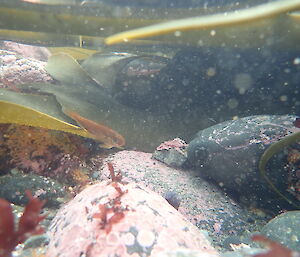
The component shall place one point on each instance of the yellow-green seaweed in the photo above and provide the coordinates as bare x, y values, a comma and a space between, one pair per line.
226, 19
22, 115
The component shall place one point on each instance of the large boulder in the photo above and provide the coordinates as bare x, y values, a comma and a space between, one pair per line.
111, 218
229, 153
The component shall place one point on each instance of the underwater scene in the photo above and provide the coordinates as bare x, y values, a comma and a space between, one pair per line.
150, 128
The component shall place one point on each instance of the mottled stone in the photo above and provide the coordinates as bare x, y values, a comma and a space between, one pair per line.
12, 188
229, 153
149, 225
201, 202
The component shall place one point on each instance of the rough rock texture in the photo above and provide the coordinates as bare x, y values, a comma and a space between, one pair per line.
12, 188
114, 219
20, 64
27, 51
173, 153
229, 153
285, 228
203, 204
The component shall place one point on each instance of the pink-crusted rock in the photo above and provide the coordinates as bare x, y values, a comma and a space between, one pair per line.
21, 64
26, 51
15, 70
113, 219
201, 202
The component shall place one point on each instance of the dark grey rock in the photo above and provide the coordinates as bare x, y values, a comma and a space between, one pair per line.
36, 241
229, 152
285, 228
173, 199
170, 157
13, 187
172, 153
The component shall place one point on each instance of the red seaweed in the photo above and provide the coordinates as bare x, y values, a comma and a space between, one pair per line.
114, 177
297, 122
113, 205
11, 235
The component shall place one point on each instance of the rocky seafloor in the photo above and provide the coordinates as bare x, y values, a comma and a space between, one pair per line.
149, 205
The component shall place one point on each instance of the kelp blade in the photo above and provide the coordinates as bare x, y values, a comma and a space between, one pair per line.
76, 52
100, 20
18, 114
259, 19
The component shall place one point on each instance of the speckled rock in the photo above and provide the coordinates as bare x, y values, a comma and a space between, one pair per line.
182, 253
229, 152
36, 241
244, 252
202, 203
139, 223
12, 188
16, 69
27, 51
285, 228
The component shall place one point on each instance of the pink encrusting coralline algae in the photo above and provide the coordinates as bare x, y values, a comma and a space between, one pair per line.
177, 144
21, 64
117, 219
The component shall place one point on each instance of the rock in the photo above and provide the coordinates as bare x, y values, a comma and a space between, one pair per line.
244, 252
12, 188
173, 153
172, 198
16, 69
26, 51
182, 253
36, 241
202, 203
110, 218
285, 228
229, 152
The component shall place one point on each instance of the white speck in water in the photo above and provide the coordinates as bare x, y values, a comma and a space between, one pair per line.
177, 33
185, 82
283, 98
297, 61
232, 103
211, 72
200, 43
242, 82
213, 33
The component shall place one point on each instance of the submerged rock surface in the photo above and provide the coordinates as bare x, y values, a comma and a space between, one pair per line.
202, 203
129, 221
229, 153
